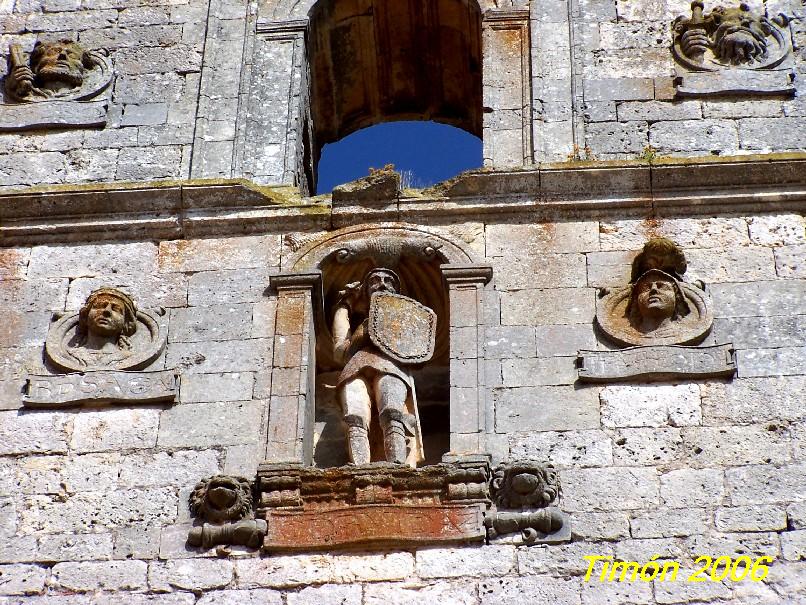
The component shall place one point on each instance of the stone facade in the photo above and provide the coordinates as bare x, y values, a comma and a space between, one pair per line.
193, 200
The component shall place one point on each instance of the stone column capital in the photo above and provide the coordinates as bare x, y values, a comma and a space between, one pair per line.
470, 274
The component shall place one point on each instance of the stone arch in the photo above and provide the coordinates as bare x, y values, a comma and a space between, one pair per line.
285, 10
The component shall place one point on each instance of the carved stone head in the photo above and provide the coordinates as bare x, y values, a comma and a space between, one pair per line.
655, 301
222, 498
740, 36
108, 313
659, 253
60, 64
381, 280
525, 484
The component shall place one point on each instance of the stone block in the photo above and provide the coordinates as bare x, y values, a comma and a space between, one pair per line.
259, 596
284, 571
329, 594
651, 405
731, 264
503, 342
789, 262
762, 517
215, 254
766, 484
415, 593
24, 329
761, 332
149, 291
145, 60
111, 429
22, 579
32, 168
74, 547
681, 591
80, 260
538, 371
796, 515
566, 448
614, 489
149, 163
513, 239
621, 35
70, 21
646, 447
657, 111
594, 592
211, 424
545, 409
18, 549
136, 543
619, 89
91, 164
473, 562
759, 133
146, 114
227, 287
180, 468
735, 544
737, 445
541, 588
199, 388
694, 135
189, 574
777, 229
264, 315
644, 549
90, 511
243, 459
670, 522
32, 433
692, 487
100, 575
547, 307
600, 526
225, 356
793, 545
632, 234
734, 108
564, 340
14, 263
216, 322
771, 362
739, 401
561, 559
616, 137
609, 269
543, 271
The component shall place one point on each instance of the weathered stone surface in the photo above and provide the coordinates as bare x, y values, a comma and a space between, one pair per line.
504, 342
22, 579
28, 433
256, 251
168, 290
739, 402
689, 487
617, 137
684, 592
764, 298
414, 592
52, 114
656, 111
631, 234
474, 562
646, 446
259, 596
543, 271
538, 371
772, 362
101, 387
189, 574
566, 448
104, 575
750, 518
227, 287
235, 386
329, 594
793, 545
609, 489
92, 260
115, 429
765, 484
511, 240
547, 307
136, 542
788, 262
211, 424
777, 229
796, 515
655, 405
178, 468
762, 332
545, 409
223, 356
561, 559
737, 445
216, 322
733, 545
78, 547
565, 340
731, 265
672, 522
502, 591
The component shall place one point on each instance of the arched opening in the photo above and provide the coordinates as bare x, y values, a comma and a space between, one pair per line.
374, 61
425, 153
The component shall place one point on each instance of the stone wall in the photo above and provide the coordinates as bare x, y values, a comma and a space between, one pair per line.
93, 501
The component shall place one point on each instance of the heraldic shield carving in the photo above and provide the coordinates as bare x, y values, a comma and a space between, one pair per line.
402, 328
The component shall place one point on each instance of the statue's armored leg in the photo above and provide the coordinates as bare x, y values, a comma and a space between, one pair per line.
357, 406
391, 393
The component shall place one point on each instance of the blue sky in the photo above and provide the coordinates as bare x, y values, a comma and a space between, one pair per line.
432, 152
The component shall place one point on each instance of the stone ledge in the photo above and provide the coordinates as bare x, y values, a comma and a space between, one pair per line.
207, 207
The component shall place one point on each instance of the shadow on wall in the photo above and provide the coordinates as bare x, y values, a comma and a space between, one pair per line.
424, 153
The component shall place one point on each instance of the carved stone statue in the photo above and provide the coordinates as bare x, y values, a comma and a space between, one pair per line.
657, 307
729, 37
377, 335
225, 502
109, 332
56, 70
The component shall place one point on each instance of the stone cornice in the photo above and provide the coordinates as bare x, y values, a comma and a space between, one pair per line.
197, 208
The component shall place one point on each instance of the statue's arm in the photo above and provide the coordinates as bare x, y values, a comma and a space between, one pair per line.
341, 333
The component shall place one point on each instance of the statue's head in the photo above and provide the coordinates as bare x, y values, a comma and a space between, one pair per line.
61, 62
108, 312
657, 296
381, 280
741, 35
659, 253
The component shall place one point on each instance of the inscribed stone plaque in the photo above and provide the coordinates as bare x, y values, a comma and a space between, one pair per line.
101, 386
377, 525
657, 363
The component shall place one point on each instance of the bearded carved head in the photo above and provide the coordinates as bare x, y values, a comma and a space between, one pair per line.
222, 498
60, 63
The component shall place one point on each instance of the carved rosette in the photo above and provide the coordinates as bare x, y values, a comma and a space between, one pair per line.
225, 503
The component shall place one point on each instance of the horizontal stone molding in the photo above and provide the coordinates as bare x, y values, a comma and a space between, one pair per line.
197, 208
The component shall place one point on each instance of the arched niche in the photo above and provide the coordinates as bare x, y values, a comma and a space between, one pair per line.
304, 425
285, 10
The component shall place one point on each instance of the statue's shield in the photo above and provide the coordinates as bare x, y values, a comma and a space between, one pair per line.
402, 328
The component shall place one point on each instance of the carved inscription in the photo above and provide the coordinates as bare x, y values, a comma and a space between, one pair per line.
101, 386
657, 362
397, 525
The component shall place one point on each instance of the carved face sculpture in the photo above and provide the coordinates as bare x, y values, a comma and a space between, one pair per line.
740, 36
656, 297
61, 62
108, 313
381, 280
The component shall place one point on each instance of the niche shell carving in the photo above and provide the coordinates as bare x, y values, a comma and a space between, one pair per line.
85, 340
